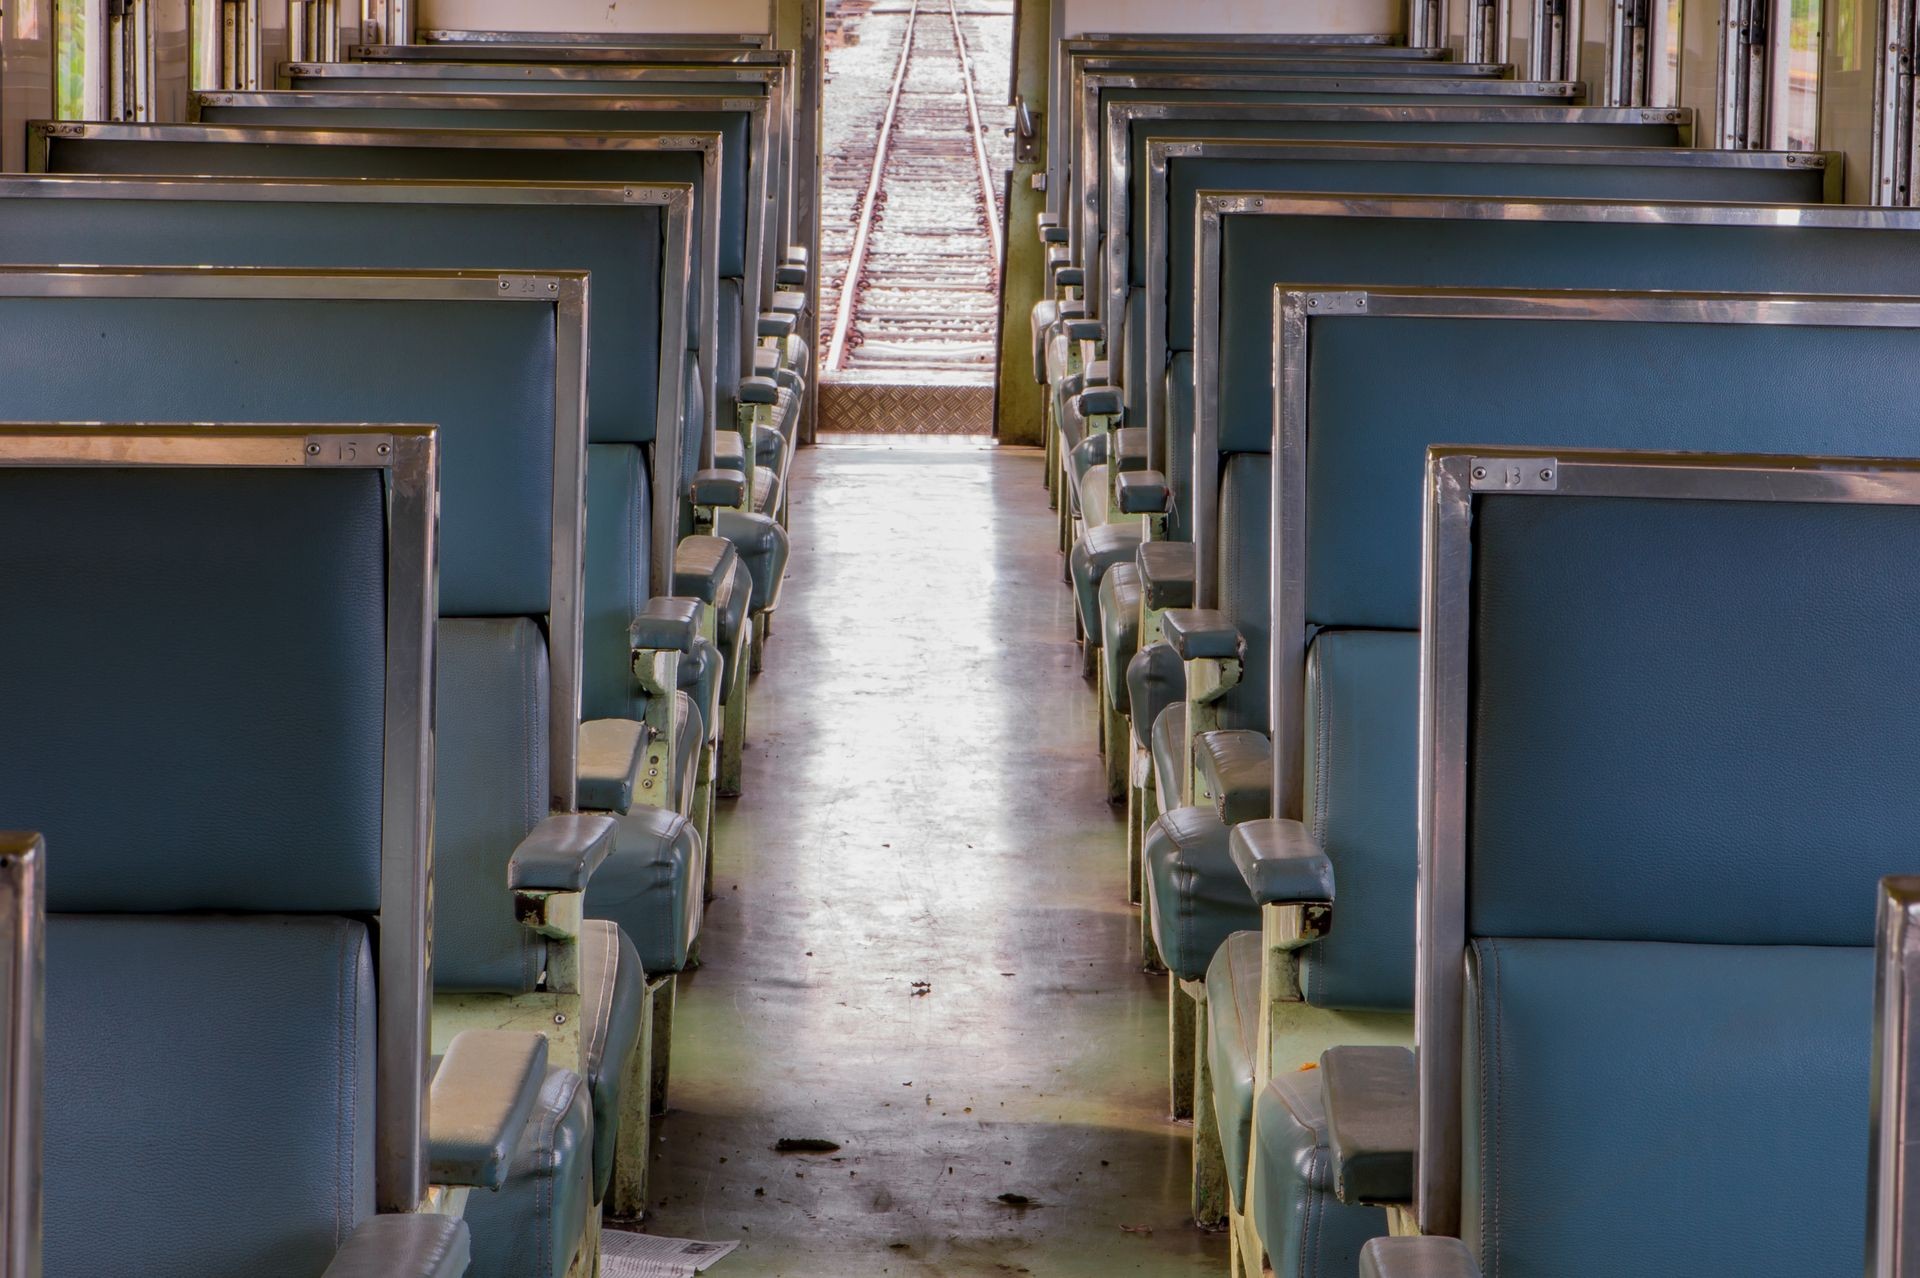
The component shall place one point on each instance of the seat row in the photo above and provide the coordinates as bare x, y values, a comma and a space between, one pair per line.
1439, 492
423, 656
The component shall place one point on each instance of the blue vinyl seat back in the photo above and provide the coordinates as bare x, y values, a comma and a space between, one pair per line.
578, 78
1551, 132
191, 153
227, 360
1246, 583
209, 988
1691, 761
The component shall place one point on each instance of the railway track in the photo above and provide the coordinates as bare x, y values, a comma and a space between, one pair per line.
912, 195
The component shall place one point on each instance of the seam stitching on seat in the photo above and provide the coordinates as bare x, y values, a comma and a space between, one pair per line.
603, 992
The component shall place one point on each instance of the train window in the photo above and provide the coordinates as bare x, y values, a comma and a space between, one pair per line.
77, 80
1793, 76
1551, 50
1645, 53
314, 30
129, 60
1487, 34
1770, 65
226, 44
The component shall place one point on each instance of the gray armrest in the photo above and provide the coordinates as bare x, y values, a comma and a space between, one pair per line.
766, 362
561, 854
1099, 371
702, 564
1166, 567
1144, 492
1417, 1258
1237, 766
1372, 1122
787, 302
760, 390
1283, 865
1099, 401
1051, 232
796, 255
718, 487
611, 753
729, 451
667, 624
1195, 634
482, 1096
791, 274
411, 1245
1072, 310
777, 323
1130, 448
1082, 330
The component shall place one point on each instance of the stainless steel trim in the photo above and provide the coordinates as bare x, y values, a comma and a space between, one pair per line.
23, 896
1893, 1152
525, 73
410, 456
443, 35
617, 49
1084, 199
670, 401
708, 144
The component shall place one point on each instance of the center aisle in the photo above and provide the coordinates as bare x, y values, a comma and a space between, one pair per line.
924, 804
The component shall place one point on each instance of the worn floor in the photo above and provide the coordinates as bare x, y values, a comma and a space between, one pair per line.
924, 805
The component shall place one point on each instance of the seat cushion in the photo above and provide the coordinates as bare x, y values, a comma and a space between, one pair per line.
616, 585
1169, 747
1156, 679
1119, 629
735, 602
1091, 490
1246, 584
1233, 1038
1196, 898
1097, 551
1040, 322
1362, 755
690, 736
533, 1224
1307, 1232
651, 886
172, 1045
766, 490
613, 1003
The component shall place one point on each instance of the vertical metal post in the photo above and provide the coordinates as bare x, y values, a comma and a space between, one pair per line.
23, 909
1893, 1172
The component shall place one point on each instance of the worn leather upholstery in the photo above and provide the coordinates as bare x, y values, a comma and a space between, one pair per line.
763, 547
736, 603
1187, 868
1119, 613
488, 794
1361, 748
1156, 680
1168, 744
1308, 1232
651, 886
1238, 768
1102, 547
1040, 324
1090, 484
167, 1126
613, 997
530, 1228
1233, 1046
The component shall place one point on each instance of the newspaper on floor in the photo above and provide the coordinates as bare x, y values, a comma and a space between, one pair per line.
625, 1255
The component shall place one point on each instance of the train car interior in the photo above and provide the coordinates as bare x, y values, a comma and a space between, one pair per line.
959, 638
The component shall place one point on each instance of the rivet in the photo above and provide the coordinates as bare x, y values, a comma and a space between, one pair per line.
385, 449
1479, 472
313, 450
1546, 476
559, 1018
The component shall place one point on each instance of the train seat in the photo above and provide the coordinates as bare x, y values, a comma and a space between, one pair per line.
1661, 990
253, 838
